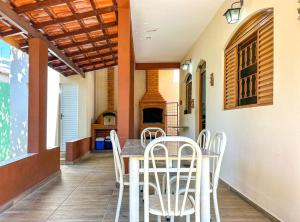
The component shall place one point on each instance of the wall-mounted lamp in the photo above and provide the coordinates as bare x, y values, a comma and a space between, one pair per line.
299, 9
186, 65
233, 14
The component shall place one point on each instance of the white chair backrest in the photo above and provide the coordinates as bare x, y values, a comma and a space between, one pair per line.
118, 160
159, 149
150, 134
204, 139
217, 145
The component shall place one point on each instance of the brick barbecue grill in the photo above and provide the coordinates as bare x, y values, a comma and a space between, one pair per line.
152, 105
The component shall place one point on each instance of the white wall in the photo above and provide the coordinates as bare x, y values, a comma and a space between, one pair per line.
261, 160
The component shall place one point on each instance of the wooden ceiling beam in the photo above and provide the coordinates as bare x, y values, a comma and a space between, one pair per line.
74, 17
82, 31
65, 71
22, 24
93, 49
12, 32
94, 40
38, 5
115, 4
155, 66
96, 63
71, 7
85, 65
100, 20
59, 69
95, 56
59, 66
98, 68
52, 59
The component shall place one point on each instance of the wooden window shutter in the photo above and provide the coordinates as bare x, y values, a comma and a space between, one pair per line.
231, 69
265, 52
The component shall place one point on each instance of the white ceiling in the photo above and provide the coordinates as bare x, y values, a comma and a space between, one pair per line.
178, 23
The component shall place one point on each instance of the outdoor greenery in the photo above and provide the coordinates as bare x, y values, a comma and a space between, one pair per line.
13, 102
4, 121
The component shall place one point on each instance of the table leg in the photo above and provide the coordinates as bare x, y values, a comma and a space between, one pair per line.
205, 191
134, 166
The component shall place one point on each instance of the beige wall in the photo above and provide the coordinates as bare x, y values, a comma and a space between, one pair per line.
261, 160
168, 85
86, 101
101, 91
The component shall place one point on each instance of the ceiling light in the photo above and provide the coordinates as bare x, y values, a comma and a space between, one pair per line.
233, 14
186, 65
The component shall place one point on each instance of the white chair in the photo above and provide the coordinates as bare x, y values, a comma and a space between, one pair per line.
151, 133
203, 142
204, 139
122, 179
217, 145
166, 204
147, 135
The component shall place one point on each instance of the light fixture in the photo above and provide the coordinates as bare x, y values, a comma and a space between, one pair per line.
186, 65
233, 14
299, 9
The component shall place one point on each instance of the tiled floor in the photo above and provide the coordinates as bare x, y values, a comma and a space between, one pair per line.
86, 192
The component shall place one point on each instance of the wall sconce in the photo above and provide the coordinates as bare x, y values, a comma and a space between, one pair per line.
212, 79
299, 9
233, 14
186, 65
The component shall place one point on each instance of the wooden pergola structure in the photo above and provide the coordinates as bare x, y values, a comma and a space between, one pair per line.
82, 35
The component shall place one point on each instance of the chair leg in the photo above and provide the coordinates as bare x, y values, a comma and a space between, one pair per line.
121, 190
164, 184
158, 218
216, 206
141, 186
172, 219
188, 218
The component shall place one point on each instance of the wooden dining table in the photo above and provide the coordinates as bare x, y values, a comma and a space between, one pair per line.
134, 151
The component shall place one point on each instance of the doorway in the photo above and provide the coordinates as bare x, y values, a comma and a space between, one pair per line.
202, 96
68, 114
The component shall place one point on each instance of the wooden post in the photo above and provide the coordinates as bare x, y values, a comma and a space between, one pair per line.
37, 117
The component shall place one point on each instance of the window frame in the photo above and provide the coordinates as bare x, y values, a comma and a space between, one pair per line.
240, 48
250, 28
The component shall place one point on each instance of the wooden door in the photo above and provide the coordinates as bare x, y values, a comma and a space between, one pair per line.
202, 97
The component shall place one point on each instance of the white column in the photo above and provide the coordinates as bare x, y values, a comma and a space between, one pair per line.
134, 207
205, 191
